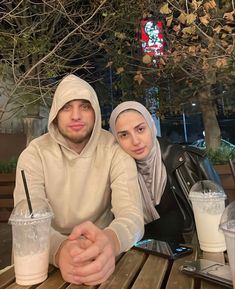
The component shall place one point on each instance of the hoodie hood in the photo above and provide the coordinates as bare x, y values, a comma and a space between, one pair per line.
71, 88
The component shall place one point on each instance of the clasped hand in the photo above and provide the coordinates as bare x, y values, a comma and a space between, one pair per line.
88, 255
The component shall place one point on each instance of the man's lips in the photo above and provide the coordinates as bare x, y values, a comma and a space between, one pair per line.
76, 126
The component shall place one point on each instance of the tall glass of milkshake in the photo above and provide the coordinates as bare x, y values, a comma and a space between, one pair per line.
208, 201
227, 224
31, 236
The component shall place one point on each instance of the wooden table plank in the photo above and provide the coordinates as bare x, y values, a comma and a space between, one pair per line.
126, 270
216, 257
7, 277
180, 280
73, 286
14, 285
152, 273
55, 281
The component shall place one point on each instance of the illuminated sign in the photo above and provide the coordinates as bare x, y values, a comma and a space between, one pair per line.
152, 37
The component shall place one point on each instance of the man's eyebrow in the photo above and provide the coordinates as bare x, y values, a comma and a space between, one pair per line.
85, 101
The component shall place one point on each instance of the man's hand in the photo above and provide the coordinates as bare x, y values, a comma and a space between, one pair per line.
88, 255
67, 251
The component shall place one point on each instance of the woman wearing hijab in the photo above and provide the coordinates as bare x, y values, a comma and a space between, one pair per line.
166, 172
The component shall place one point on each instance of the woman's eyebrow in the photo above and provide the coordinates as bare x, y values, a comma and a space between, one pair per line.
121, 131
125, 131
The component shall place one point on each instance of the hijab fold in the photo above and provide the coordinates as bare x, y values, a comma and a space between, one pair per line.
151, 170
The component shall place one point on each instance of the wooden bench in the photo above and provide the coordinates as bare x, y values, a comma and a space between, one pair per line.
7, 184
227, 180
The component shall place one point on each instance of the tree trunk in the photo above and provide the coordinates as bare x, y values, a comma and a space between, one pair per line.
208, 109
32, 127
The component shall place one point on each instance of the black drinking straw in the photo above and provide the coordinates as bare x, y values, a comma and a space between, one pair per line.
27, 193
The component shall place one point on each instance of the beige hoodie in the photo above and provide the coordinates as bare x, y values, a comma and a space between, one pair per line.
99, 184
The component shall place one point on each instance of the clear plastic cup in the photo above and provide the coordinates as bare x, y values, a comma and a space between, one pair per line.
208, 201
31, 239
227, 225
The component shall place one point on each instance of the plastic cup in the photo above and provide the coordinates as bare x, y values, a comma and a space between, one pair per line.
31, 239
208, 201
227, 224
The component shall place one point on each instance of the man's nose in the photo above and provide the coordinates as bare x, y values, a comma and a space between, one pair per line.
76, 113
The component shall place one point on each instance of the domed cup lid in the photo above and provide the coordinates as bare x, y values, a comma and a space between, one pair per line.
40, 210
206, 189
227, 221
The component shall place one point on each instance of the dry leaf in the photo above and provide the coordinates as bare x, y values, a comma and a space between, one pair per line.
228, 28
189, 30
230, 49
139, 77
119, 70
209, 5
221, 62
147, 59
195, 4
169, 20
177, 28
109, 64
205, 19
165, 9
120, 35
190, 18
217, 29
176, 57
192, 50
182, 18
161, 61
229, 16
224, 43
205, 65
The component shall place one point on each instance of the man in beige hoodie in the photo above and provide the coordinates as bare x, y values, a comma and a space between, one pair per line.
90, 183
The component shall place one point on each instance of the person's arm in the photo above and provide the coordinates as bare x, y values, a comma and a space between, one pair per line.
128, 223
30, 162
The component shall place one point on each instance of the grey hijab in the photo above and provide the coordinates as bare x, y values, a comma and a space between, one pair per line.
151, 171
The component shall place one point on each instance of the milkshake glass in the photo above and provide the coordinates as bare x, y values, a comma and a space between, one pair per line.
208, 201
227, 224
31, 239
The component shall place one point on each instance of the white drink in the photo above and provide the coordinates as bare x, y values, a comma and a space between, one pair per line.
208, 201
31, 240
210, 238
230, 243
31, 269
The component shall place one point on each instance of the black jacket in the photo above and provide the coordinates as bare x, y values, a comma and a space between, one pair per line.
185, 166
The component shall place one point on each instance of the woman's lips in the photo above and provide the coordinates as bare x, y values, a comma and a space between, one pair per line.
139, 151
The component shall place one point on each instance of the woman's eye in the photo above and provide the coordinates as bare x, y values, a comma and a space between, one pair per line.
123, 135
141, 129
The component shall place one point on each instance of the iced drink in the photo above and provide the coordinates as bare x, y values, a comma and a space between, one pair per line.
208, 201
31, 235
227, 225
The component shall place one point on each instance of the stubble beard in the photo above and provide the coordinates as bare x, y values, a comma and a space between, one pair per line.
76, 139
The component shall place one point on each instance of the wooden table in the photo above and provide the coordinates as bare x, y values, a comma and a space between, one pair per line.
135, 270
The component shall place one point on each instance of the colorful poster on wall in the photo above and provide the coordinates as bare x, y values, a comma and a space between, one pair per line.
152, 42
